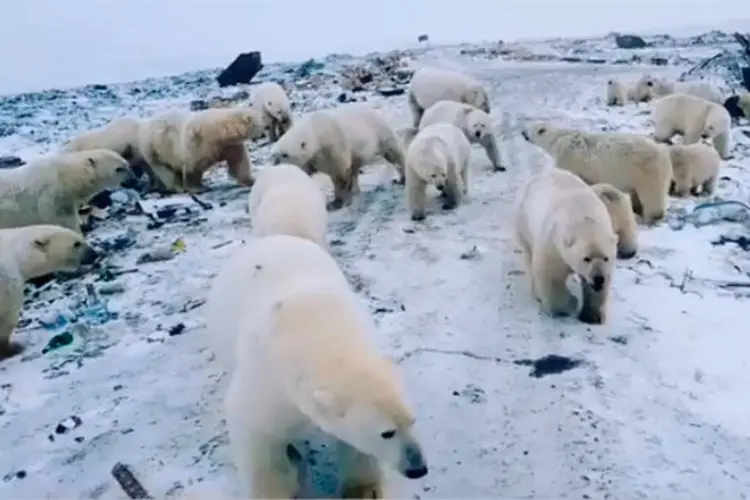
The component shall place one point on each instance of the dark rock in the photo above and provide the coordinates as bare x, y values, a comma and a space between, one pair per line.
746, 78
242, 69
659, 61
345, 97
571, 59
11, 162
596, 60
423, 38
731, 105
198, 104
630, 42
307, 68
391, 91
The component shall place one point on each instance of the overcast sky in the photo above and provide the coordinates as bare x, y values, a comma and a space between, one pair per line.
47, 43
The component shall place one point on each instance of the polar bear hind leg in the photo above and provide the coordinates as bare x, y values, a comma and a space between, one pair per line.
721, 145
489, 143
416, 111
393, 152
238, 163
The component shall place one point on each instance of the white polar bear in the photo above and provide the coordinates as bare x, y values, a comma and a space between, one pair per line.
338, 142
617, 95
120, 135
51, 189
696, 169
286, 200
297, 346
694, 118
431, 85
649, 88
563, 228
30, 252
630, 162
475, 123
438, 155
271, 100
181, 145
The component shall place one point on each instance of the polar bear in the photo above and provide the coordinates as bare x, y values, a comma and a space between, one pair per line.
51, 189
649, 88
181, 145
298, 349
616, 93
338, 142
475, 124
563, 228
620, 210
694, 118
631, 162
285, 200
695, 169
271, 100
438, 155
119, 135
30, 252
430, 85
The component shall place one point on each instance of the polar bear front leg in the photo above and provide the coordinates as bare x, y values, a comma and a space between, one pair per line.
8, 323
361, 476
416, 110
721, 145
549, 284
416, 195
393, 152
594, 308
165, 179
453, 192
238, 163
489, 143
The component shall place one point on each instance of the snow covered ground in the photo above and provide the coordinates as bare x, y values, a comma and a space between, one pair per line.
653, 405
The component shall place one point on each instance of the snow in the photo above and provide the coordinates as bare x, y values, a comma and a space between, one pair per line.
655, 409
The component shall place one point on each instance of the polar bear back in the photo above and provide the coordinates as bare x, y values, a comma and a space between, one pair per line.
430, 85
437, 144
160, 138
365, 128
447, 112
261, 274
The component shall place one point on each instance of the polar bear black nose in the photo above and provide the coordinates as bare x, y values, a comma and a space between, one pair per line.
416, 473
478, 134
598, 283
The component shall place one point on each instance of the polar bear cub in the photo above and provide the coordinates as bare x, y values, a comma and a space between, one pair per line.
694, 118
297, 346
271, 100
617, 95
563, 228
696, 169
181, 145
630, 162
285, 200
438, 155
649, 88
431, 85
620, 210
51, 189
30, 252
475, 124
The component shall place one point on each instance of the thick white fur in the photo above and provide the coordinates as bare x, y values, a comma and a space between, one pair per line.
617, 95
438, 155
475, 123
181, 145
631, 162
297, 345
694, 119
695, 169
431, 85
30, 252
620, 209
271, 100
120, 135
563, 228
286, 200
51, 189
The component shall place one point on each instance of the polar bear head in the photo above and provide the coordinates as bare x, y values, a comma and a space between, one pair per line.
45, 249
298, 146
590, 251
375, 421
620, 208
431, 165
718, 122
86, 173
542, 135
478, 124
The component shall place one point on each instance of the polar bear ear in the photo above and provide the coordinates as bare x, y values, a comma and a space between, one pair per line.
41, 244
327, 403
569, 240
303, 145
91, 162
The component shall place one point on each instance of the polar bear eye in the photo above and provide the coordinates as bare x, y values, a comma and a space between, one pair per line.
542, 130
388, 434
649, 83
606, 259
587, 259
77, 244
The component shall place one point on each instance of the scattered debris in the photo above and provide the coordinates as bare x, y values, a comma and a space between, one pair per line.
158, 255
551, 364
128, 482
11, 162
70, 423
742, 241
471, 254
423, 38
630, 42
